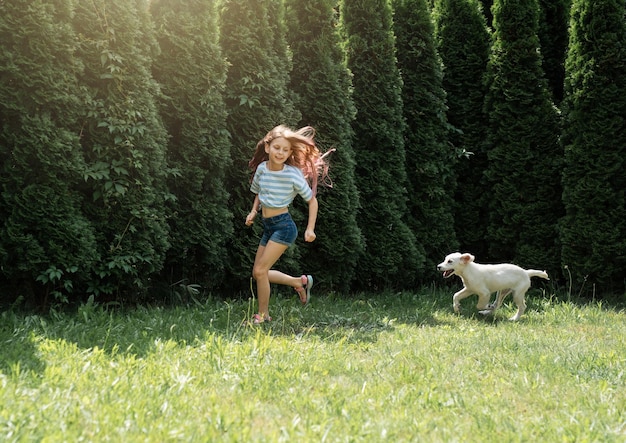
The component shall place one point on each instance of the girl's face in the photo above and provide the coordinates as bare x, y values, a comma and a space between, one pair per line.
279, 150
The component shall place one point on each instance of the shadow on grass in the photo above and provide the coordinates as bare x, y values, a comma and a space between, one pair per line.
359, 318
18, 350
356, 318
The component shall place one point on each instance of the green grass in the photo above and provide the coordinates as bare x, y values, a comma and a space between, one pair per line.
395, 367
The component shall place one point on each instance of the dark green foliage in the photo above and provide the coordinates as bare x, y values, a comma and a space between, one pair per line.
192, 72
464, 44
50, 243
47, 244
123, 141
391, 257
593, 232
486, 8
524, 155
553, 27
322, 84
123, 153
430, 158
257, 98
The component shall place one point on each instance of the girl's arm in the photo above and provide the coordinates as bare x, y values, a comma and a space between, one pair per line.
309, 234
253, 212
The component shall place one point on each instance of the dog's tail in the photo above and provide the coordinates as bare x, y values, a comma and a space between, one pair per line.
535, 273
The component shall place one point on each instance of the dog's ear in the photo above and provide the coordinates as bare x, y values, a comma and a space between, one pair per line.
466, 258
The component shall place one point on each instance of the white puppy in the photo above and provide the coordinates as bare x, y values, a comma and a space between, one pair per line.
484, 280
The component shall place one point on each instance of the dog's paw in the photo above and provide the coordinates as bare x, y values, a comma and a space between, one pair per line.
457, 309
488, 309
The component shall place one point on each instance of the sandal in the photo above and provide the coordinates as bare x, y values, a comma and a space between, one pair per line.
305, 290
257, 319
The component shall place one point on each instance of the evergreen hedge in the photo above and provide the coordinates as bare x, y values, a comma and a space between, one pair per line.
525, 158
322, 86
593, 231
430, 158
48, 245
391, 257
191, 72
463, 42
126, 127
123, 140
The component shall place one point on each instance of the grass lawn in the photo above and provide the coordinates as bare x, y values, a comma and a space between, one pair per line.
390, 367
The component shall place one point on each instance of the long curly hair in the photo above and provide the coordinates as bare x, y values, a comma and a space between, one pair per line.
305, 154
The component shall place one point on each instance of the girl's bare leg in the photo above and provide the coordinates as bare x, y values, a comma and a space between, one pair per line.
281, 278
266, 257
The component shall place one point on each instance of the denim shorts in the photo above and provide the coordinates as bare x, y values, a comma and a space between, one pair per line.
280, 229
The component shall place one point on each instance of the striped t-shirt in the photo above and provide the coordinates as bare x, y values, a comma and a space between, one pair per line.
277, 189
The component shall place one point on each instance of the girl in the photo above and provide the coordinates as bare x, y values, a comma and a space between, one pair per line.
286, 163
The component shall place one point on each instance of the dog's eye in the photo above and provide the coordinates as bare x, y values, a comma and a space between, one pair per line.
450, 261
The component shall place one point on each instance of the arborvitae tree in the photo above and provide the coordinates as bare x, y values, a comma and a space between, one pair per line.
124, 142
464, 44
257, 99
391, 257
553, 27
323, 85
525, 158
192, 72
430, 158
47, 244
593, 231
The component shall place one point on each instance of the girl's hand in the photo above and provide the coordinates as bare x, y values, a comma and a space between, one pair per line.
250, 218
309, 235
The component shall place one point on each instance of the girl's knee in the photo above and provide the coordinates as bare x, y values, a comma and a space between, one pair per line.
258, 273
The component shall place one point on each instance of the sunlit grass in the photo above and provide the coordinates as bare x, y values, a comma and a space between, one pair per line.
391, 367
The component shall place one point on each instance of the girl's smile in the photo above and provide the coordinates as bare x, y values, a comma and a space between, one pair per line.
279, 150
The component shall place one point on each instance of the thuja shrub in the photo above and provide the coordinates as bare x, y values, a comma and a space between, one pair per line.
391, 256
123, 140
322, 86
524, 156
191, 72
430, 158
593, 231
463, 43
48, 245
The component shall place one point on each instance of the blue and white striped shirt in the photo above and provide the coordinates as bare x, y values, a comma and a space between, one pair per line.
277, 189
